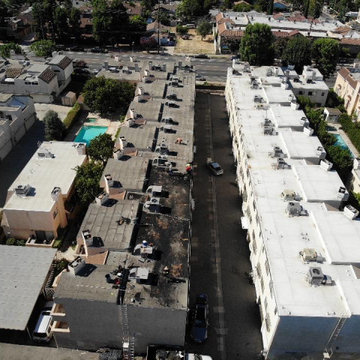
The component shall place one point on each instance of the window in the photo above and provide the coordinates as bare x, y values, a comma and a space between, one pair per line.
322, 94
275, 310
310, 93
55, 213
258, 270
254, 246
300, 92
267, 323
27, 83
262, 284
267, 267
271, 289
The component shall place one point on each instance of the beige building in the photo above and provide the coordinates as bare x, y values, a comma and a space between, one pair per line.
347, 86
39, 201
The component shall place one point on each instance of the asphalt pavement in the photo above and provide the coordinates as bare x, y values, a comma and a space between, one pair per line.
213, 69
220, 254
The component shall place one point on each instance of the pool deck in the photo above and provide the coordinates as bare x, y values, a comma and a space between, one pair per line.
345, 138
111, 125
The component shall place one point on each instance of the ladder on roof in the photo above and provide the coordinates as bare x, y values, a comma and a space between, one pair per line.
128, 341
328, 352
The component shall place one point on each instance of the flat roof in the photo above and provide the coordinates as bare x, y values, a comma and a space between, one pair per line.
285, 116
103, 221
142, 137
45, 173
23, 271
131, 172
321, 226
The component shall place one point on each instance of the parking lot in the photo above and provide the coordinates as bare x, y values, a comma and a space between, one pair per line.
220, 254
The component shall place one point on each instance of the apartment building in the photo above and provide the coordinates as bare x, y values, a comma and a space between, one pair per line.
43, 82
347, 86
231, 26
304, 243
17, 115
39, 202
132, 274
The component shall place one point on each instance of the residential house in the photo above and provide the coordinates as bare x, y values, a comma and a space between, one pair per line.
40, 201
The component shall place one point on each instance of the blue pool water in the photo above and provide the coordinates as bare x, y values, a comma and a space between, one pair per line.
88, 132
340, 142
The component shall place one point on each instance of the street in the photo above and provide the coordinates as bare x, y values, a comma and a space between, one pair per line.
213, 69
220, 254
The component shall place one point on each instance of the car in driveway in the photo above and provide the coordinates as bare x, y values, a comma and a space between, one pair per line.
200, 319
214, 167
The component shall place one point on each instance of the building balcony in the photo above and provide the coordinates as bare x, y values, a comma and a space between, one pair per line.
58, 310
60, 327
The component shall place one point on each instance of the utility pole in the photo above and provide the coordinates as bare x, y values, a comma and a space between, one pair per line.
158, 27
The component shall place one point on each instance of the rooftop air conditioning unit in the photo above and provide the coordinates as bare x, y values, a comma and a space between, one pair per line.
154, 190
76, 265
310, 255
350, 212
23, 190
295, 209
288, 195
315, 276
342, 194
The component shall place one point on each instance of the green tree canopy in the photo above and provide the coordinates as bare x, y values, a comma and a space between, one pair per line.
106, 96
181, 30
43, 48
101, 147
325, 53
244, 7
54, 127
5, 50
297, 52
87, 181
257, 45
188, 9
204, 28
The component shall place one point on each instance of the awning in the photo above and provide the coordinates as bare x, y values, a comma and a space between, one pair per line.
244, 222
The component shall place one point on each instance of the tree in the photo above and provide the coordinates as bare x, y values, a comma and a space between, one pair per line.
101, 148
74, 21
108, 95
137, 26
61, 23
244, 7
257, 45
204, 29
87, 181
297, 52
10, 241
43, 48
325, 53
5, 50
54, 127
279, 47
315, 7
181, 30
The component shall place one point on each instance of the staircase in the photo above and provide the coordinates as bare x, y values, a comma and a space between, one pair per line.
328, 352
128, 341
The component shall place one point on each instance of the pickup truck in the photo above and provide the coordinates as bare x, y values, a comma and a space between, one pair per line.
214, 167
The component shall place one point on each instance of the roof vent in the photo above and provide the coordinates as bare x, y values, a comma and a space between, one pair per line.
277, 152
294, 208
281, 164
55, 193
342, 194
258, 99
350, 212
76, 265
23, 190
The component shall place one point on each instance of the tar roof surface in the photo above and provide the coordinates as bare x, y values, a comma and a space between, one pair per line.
23, 271
102, 221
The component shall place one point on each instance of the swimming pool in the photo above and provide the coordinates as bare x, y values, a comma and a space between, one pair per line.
88, 132
341, 143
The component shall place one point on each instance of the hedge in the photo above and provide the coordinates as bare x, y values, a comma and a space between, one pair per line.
72, 115
352, 129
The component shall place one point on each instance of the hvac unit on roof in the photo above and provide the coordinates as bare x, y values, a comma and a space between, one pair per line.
277, 152
342, 194
289, 195
316, 277
310, 255
326, 165
45, 153
350, 212
23, 190
294, 208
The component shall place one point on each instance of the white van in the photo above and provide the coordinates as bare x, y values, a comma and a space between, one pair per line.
42, 331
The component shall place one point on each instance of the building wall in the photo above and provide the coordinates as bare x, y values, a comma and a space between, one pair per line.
317, 96
96, 324
93, 324
349, 94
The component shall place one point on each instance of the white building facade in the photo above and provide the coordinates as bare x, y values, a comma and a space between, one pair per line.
17, 115
304, 250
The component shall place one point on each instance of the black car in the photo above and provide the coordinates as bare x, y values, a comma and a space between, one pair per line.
201, 56
172, 97
172, 104
75, 48
200, 321
170, 121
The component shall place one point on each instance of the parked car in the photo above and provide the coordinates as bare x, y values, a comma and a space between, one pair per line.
170, 121
197, 357
172, 97
235, 57
42, 331
201, 56
200, 321
75, 48
214, 167
172, 104
79, 64
200, 77
98, 50
113, 69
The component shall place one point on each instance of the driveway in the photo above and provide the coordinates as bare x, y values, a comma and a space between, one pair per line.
12, 165
220, 254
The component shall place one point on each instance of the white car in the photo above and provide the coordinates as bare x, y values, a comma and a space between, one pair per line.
197, 357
